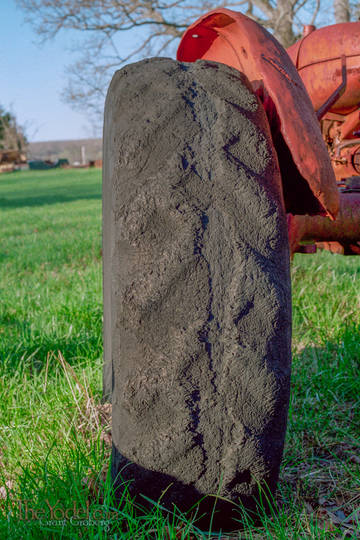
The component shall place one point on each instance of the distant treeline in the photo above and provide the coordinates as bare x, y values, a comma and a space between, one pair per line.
70, 150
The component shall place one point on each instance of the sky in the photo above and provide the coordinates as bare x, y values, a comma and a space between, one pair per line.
32, 78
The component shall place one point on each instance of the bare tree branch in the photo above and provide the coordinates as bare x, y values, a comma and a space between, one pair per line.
154, 26
316, 11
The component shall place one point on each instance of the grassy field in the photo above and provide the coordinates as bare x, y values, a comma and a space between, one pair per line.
54, 439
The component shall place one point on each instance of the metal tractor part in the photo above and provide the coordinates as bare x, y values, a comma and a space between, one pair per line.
332, 84
234, 39
331, 78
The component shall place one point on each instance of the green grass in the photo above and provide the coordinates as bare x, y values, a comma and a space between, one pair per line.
54, 444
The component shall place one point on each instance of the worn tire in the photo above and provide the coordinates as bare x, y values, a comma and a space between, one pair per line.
197, 299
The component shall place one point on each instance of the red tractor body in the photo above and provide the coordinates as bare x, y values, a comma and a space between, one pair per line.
318, 57
311, 96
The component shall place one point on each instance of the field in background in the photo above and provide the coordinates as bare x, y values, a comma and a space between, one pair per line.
54, 440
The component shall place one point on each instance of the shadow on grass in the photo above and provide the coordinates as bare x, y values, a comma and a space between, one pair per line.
341, 353
150, 489
29, 350
324, 414
31, 201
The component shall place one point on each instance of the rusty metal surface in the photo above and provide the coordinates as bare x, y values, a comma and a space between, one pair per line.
333, 247
345, 231
351, 125
337, 93
307, 29
233, 39
317, 57
341, 133
346, 161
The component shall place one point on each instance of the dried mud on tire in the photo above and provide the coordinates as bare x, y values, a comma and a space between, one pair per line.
197, 302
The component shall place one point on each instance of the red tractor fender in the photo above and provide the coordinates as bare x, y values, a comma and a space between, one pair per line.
232, 38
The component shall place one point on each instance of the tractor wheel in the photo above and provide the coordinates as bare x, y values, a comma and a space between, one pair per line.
197, 298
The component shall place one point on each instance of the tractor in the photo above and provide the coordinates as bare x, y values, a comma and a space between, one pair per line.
218, 167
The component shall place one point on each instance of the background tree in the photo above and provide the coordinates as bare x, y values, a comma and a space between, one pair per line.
12, 136
119, 31
341, 11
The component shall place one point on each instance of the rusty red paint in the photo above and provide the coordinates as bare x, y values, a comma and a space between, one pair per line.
307, 29
318, 60
345, 231
333, 247
337, 93
347, 163
233, 39
351, 125
341, 132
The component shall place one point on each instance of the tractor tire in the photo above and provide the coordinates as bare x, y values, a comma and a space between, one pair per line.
197, 297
